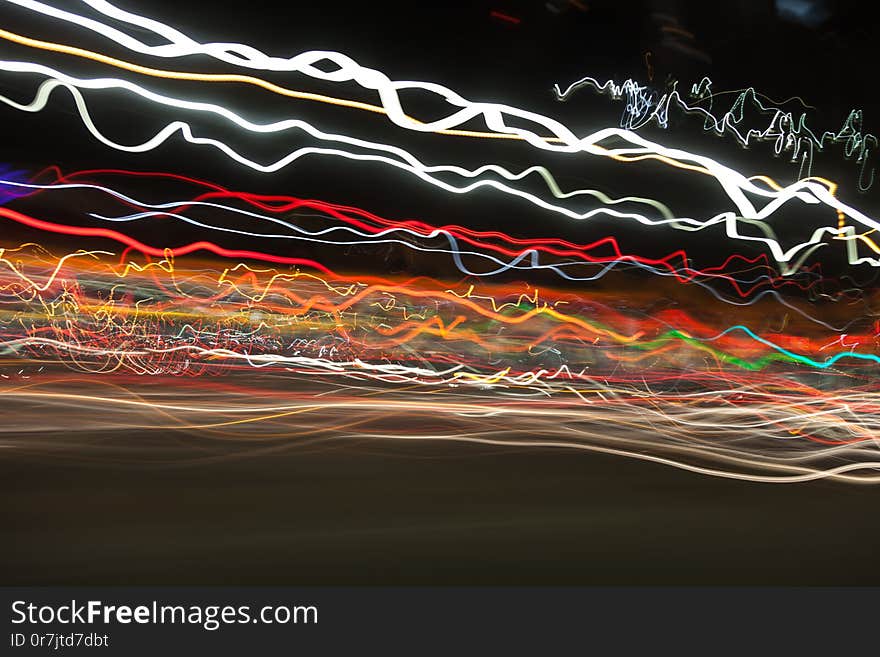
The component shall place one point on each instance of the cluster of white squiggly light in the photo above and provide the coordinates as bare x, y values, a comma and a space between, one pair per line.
787, 131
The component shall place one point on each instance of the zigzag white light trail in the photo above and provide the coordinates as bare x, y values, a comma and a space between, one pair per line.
732, 182
246, 56
348, 69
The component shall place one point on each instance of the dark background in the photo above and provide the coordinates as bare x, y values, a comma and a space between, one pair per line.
467, 516
352, 516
